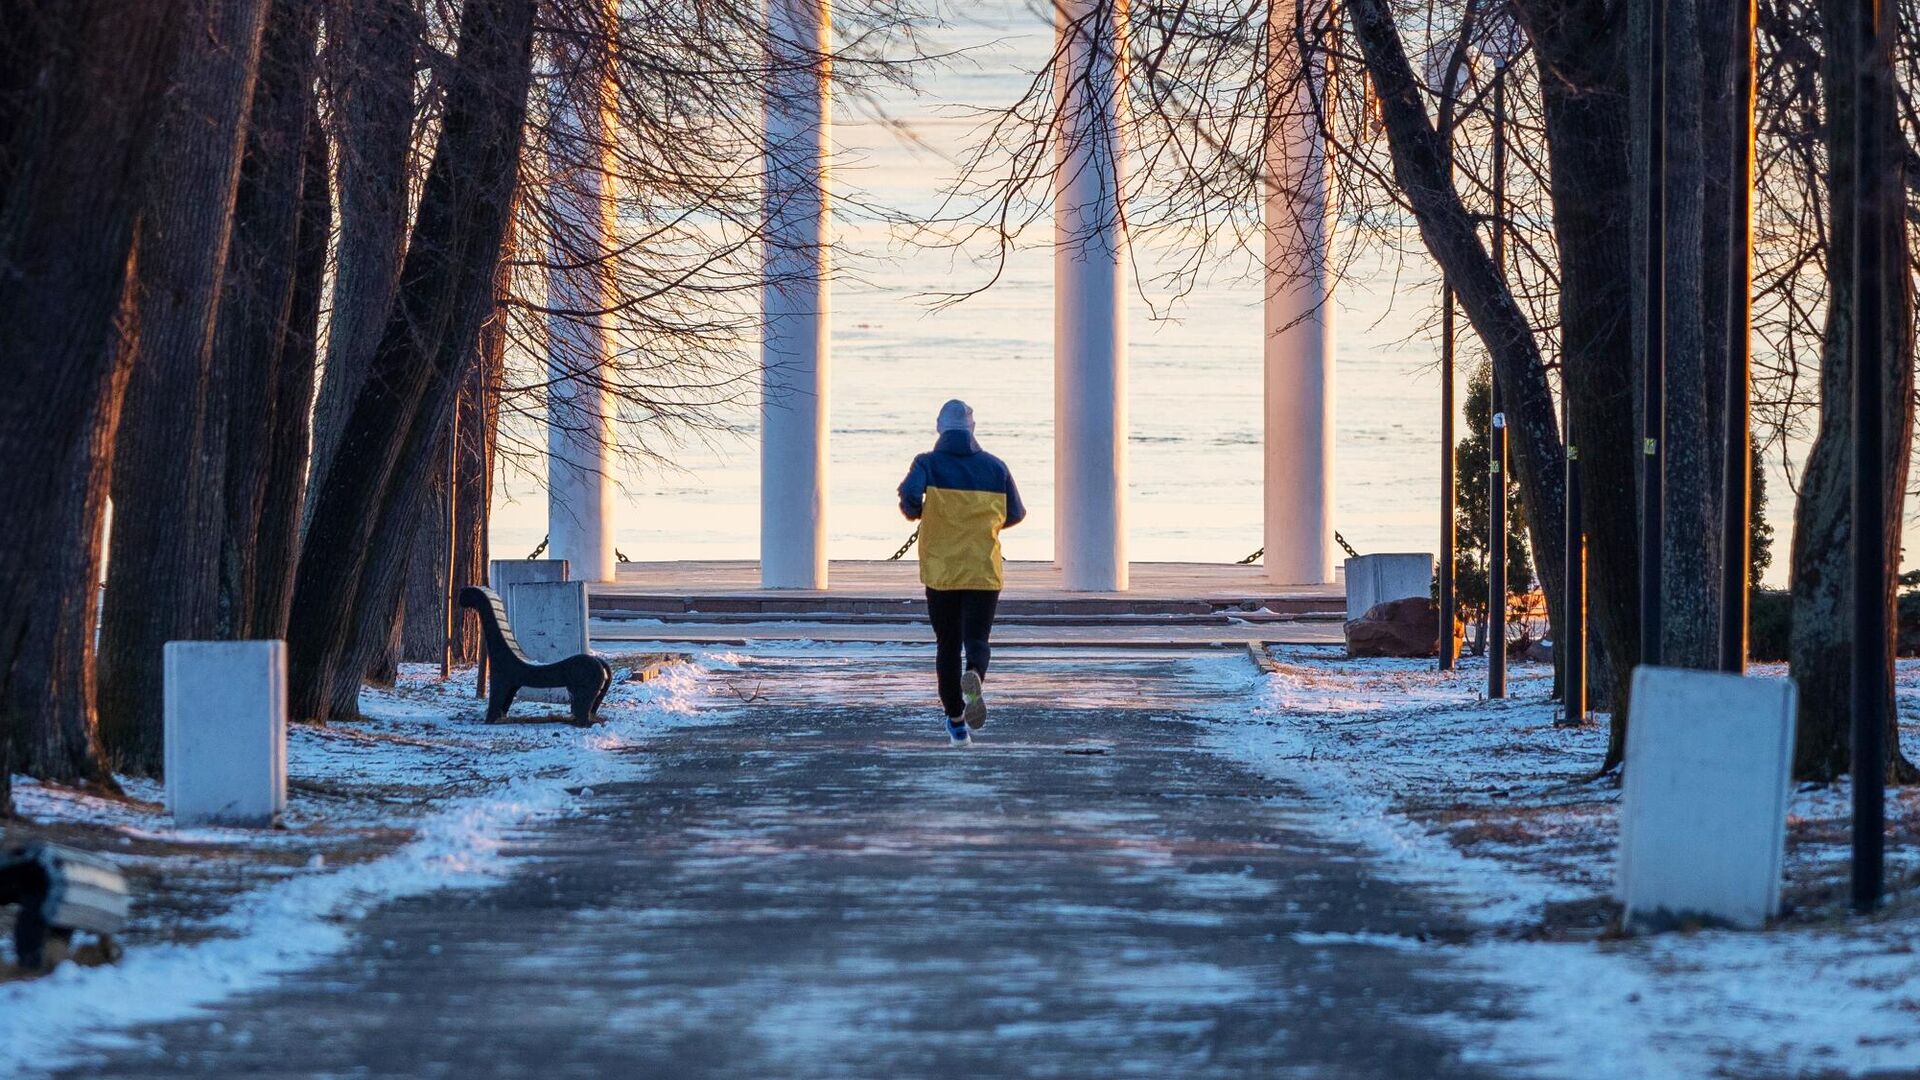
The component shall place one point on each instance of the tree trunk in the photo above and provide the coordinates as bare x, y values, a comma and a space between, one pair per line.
423, 630
1821, 642
1690, 625
66, 235
278, 549
1582, 51
20, 61
168, 472
454, 539
370, 65
1421, 168
479, 426
257, 309
355, 551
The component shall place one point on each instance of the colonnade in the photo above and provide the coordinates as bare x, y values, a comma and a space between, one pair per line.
1091, 283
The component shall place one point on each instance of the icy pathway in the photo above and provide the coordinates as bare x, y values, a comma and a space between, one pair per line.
816, 886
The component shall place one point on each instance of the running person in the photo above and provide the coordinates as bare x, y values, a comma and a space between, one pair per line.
962, 497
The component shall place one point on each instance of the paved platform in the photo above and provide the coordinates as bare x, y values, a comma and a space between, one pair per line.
813, 885
1013, 633
874, 589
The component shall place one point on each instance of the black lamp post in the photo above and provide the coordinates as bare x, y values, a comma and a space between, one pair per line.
1447, 496
1737, 483
1653, 368
1877, 205
1497, 431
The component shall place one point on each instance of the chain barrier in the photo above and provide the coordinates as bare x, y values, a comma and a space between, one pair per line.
618, 555
1337, 538
904, 548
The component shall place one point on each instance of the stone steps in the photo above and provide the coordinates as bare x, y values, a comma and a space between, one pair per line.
1061, 610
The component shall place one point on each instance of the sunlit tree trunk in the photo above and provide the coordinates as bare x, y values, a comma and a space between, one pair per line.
67, 228
170, 453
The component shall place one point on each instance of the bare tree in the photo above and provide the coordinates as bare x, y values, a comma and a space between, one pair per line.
354, 556
170, 452
1822, 644
97, 73
256, 314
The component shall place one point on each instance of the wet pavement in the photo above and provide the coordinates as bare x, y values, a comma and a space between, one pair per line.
814, 885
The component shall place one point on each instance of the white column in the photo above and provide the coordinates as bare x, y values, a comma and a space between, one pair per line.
1299, 312
1090, 296
794, 302
579, 406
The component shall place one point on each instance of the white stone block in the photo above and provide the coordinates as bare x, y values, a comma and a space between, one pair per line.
1703, 817
1376, 579
504, 574
226, 731
550, 620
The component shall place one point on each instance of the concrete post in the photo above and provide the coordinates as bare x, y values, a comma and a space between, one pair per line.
226, 731
1299, 311
579, 406
1090, 295
551, 623
794, 301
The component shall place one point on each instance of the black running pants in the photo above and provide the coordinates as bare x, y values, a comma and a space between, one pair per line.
962, 619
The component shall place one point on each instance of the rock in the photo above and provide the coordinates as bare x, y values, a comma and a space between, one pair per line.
1398, 628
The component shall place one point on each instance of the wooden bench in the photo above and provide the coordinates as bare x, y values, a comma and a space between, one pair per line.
584, 677
59, 891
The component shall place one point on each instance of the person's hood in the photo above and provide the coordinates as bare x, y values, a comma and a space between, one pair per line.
960, 443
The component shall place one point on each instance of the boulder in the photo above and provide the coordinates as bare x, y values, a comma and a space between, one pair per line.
1407, 627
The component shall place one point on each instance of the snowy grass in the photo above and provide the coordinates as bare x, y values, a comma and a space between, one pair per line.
1492, 805
422, 795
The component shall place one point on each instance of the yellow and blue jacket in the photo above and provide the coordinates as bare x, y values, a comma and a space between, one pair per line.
962, 497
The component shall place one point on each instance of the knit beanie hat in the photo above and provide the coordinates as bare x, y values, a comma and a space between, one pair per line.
955, 415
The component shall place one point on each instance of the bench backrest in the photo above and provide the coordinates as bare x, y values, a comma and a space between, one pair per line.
493, 618
83, 890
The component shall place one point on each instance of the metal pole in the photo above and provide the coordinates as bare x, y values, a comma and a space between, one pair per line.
1653, 370
449, 614
1448, 480
1737, 484
1497, 433
1573, 651
1447, 484
1873, 217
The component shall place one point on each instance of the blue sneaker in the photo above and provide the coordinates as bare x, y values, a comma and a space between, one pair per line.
957, 732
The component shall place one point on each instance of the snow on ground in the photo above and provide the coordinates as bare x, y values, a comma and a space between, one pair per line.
1497, 808
422, 795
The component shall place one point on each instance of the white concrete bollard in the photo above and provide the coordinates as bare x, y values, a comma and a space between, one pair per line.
1376, 579
550, 621
1703, 817
504, 574
226, 731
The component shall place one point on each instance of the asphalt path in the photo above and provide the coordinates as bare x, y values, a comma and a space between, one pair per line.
813, 884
